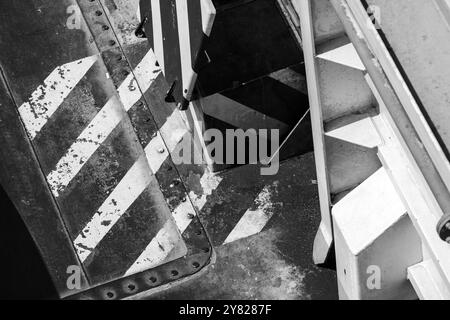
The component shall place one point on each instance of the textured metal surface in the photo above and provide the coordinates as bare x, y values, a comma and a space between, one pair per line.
91, 130
273, 263
418, 35
25, 185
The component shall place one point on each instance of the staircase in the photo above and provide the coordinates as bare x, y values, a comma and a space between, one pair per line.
381, 194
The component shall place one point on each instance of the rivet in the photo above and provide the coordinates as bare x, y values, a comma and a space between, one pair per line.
191, 216
161, 150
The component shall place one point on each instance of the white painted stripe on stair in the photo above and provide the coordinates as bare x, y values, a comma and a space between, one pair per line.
345, 55
123, 196
141, 78
129, 188
253, 221
360, 132
103, 124
85, 146
47, 98
183, 215
157, 33
188, 74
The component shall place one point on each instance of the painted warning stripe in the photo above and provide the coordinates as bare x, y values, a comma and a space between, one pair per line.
129, 189
46, 99
123, 196
254, 220
183, 215
251, 223
103, 124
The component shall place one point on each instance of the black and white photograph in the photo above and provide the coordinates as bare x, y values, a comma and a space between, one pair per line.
225, 156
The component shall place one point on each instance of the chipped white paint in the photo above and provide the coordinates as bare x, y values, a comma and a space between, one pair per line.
129, 188
47, 98
123, 196
185, 212
183, 215
102, 125
141, 78
85, 146
345, 55
173, 131
254, 221
157, 251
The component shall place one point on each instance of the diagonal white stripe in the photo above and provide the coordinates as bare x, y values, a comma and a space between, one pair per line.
253, 221
129, 189
123, 196
152, 256
345, 55
46, 99
157, 251
103, 124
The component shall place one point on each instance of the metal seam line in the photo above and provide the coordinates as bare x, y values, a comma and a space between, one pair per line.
128, 190
102, 125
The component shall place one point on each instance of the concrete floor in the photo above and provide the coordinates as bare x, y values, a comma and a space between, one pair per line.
276, 263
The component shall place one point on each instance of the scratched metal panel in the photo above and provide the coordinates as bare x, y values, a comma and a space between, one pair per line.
75, 112
180, 183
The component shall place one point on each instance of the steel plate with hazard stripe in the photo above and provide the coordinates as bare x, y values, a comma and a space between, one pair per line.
87, 155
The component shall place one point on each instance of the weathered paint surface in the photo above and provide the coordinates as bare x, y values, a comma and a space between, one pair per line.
276, 263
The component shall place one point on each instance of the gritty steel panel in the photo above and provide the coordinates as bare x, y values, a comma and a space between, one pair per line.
82, 109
